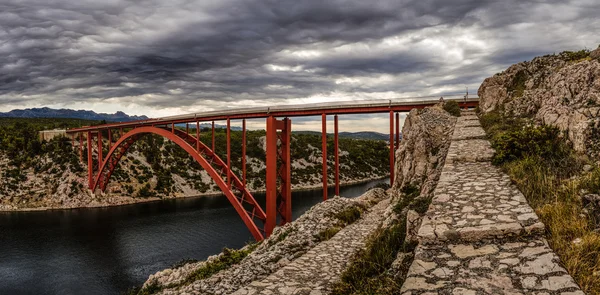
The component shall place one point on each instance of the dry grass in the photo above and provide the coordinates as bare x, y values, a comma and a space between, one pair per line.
555, 196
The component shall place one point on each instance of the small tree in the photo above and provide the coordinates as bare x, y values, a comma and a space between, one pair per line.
452, 108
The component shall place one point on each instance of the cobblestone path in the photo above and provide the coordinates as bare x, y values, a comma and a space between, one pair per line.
315, 272
479, 235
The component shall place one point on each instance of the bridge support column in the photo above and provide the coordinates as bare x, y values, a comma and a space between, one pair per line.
213, 136
397, 130
99, 149
279, 194
336, 154
244, 152
198, 136
392, 148
109, 139
228, 153
80, 147
324, 153
89, 160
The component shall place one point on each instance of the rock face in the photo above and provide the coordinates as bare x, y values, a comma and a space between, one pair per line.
561, 90
425, 141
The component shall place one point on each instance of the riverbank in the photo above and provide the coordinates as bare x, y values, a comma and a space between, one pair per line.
109, 250
123, 200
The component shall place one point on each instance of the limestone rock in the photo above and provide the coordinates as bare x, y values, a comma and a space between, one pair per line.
425, 141
551, 90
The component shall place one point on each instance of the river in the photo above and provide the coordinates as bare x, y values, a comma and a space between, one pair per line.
108, 250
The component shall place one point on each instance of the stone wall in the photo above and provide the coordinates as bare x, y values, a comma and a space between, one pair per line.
50, 134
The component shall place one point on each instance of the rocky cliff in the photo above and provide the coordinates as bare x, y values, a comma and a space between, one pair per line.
420, 156
562, 90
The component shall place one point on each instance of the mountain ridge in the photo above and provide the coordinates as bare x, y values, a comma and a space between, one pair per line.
46, 112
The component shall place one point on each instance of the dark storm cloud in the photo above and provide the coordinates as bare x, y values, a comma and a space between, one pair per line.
158, 54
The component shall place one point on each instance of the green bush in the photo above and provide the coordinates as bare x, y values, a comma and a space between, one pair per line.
452, 107
328, 233
542, 141
349, 215
575, 55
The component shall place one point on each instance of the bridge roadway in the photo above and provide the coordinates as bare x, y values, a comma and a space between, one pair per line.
316, 109
278, 162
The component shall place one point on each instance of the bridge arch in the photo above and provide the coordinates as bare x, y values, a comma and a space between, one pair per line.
243, 202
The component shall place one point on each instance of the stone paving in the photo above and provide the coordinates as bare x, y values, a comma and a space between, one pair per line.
479, 235
316, 271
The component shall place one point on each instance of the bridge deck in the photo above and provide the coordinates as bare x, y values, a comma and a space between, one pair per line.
330, 108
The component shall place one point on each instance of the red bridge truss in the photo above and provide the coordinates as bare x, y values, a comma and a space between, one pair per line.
278, 163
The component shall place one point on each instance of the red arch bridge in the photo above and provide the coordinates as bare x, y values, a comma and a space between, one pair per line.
278, 129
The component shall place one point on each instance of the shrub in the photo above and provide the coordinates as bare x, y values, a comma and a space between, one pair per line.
328, 233
575, 55
539, 141
452, 107
409, 193
517, 87
349, 215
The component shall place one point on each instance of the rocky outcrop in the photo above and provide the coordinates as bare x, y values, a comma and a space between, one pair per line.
562, 90
425, 141
287, 244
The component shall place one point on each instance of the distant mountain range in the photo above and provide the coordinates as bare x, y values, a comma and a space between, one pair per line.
72, 114
122, 117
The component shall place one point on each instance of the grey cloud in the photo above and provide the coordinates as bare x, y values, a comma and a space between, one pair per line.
188, 52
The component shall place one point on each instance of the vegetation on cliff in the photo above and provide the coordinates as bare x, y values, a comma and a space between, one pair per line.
551, 176
49, 174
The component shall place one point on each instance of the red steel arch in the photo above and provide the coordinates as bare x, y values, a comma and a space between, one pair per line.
244, 204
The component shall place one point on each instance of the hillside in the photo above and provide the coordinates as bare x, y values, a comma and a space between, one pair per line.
358, 135
49, 174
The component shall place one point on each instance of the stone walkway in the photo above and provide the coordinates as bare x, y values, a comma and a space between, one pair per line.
479, 235
315, 272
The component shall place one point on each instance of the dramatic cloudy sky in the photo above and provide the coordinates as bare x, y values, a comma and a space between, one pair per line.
168, 57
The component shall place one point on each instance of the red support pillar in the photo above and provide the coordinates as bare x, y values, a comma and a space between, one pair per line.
271, 181
80, 147
392, 148
324, 153
244, 152
279, 198
109, 139
285, 173
89, 160
336, 155
99, 150
172, 127
229, 153
187, 128
213, 136
198, 135
397, 130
